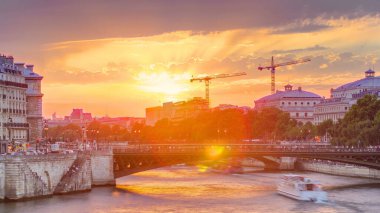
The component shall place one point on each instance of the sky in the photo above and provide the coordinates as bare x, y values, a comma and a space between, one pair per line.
119, 57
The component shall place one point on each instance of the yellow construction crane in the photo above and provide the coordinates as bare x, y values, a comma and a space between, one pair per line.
208, 78
273, 67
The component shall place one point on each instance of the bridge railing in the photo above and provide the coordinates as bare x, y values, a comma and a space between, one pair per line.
241, 148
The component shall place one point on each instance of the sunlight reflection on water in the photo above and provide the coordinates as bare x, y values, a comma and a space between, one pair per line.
185, 189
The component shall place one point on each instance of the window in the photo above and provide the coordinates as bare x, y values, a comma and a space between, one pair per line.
295, 103
283, 103
308, 103
289, 103
301, 103
297, 115
305, 114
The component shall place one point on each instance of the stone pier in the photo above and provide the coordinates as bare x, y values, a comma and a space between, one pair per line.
102, 168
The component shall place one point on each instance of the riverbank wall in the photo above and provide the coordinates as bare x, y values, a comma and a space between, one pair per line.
335, 168
25, 177
284, 163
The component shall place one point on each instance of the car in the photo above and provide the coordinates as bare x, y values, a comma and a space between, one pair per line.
68, 151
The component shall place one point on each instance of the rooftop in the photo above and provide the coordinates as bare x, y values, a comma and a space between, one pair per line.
370, 81
288, 93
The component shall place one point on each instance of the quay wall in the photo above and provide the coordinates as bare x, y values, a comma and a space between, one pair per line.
2, 178
338, 169
285, 163
23, 177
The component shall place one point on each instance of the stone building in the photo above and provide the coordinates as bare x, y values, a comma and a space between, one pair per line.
34, 102
298, 103
13, 110
21, 102
343, 97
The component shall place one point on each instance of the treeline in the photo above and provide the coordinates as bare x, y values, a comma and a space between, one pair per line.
228, 126
94, 131
360, 127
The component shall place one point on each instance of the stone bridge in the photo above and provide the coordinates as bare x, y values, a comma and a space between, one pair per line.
44, 175
137, 158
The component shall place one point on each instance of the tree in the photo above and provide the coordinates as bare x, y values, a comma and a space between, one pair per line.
360, 126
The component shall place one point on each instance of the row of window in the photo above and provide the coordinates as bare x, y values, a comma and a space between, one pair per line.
14, 111
333, 117
22, 98
13, 93
298, 114
331, 109
18, 78
301, 103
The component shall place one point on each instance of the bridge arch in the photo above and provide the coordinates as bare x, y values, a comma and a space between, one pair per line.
129, 161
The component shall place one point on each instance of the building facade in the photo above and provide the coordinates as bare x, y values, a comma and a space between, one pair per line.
298, 103
33, 102
21, 103
13, 109
343, 97
177, 111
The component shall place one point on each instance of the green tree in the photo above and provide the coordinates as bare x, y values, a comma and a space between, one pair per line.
360, 126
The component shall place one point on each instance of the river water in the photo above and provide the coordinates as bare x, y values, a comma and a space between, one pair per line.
194, 189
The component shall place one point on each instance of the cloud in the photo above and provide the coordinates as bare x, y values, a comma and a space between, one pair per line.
301, 28
313, 48
323, 66
154, 69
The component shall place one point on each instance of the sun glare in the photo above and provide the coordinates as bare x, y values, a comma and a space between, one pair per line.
163, 82
215, 151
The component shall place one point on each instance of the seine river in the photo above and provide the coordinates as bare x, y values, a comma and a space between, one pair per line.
192, 189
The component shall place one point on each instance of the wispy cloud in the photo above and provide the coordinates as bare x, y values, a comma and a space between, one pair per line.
157, 67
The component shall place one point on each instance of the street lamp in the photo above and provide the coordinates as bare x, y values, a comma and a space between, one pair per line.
46, 128
10, 121
83, 137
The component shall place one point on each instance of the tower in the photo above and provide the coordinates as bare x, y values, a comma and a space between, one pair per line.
34, 103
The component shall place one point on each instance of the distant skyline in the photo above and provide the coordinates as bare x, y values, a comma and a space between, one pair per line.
118, 57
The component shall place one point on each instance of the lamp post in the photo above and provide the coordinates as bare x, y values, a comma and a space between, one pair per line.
46, 128
83, 137
10, 121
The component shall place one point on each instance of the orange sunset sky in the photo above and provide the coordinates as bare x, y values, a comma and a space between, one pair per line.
118, 57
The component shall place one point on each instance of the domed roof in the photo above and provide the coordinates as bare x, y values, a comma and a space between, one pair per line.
288, 94
370, 81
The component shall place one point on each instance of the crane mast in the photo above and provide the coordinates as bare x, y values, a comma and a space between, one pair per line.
273, 67
208, 78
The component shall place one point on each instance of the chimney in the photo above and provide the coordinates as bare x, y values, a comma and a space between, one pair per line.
30, 67
20, 66
299, 88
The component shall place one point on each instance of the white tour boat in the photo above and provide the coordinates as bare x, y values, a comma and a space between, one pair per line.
301, 188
